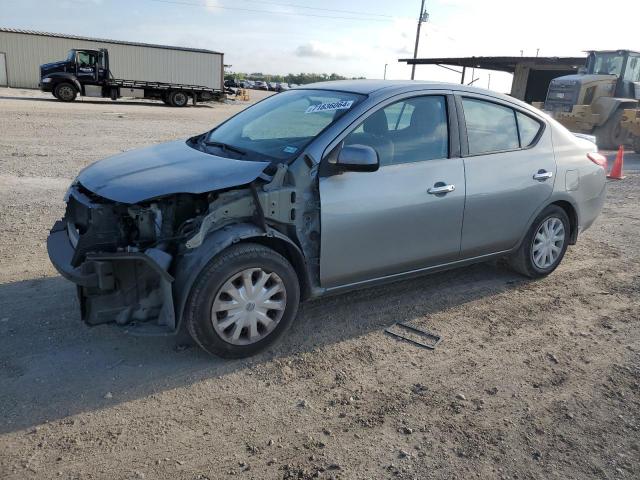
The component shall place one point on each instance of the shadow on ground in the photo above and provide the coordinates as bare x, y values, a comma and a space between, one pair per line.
52, 366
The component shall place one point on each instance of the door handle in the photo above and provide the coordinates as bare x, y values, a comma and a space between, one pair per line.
440, 189
542, 175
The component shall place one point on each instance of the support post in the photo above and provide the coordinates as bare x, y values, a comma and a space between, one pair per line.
415, 50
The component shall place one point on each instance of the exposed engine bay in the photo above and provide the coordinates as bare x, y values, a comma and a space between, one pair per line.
125, 258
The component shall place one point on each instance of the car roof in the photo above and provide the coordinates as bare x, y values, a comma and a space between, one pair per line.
394, 87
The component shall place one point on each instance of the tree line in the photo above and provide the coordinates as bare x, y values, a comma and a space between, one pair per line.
299, 78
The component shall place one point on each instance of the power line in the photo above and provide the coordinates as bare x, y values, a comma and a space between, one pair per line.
295, 5
271, 12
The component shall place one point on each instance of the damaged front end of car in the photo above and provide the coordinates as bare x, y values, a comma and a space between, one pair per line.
120, 255
134, 260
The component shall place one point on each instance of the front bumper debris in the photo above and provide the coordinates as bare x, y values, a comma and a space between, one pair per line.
121, 287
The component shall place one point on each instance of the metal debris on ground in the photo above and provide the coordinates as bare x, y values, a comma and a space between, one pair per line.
431, 339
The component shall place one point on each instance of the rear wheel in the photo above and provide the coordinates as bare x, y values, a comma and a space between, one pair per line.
178, 99
243, 301
544, 246
611, 135
65, 92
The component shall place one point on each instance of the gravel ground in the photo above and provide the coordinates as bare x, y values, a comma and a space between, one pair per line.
534, 379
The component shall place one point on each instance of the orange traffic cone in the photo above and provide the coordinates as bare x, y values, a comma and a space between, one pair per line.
616, 171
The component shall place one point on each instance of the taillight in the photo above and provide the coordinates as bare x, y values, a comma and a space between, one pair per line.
598, 159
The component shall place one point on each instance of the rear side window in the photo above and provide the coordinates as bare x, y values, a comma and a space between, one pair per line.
490, 127
528, 128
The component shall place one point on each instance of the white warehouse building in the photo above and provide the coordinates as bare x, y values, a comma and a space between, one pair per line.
23, 51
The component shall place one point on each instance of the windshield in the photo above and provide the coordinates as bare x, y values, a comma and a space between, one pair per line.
279, 127
607, 64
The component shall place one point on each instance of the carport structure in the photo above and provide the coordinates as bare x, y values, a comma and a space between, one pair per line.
531, 75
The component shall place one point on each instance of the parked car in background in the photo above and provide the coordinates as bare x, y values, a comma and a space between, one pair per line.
261, 85
281, 87
323, 189
246, 84
272, 86
231, 84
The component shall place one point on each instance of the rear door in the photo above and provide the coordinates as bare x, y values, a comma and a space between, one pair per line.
510, 172
376, 224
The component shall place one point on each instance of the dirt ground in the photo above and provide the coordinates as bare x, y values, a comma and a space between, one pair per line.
534, 379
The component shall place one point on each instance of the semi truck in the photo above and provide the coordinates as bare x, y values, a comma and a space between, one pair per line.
601, 99
86, 73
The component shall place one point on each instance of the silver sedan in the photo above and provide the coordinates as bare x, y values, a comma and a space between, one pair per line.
321, 189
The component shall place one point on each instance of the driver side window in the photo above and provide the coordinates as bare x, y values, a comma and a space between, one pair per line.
85, 59
411, 130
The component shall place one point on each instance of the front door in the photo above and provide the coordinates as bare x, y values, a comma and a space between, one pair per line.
403, 217
510, 171
86, 64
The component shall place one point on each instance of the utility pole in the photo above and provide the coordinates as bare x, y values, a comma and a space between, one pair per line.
385, 71
423, 17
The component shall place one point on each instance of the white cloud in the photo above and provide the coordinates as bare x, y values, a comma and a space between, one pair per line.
211, 5
315, 49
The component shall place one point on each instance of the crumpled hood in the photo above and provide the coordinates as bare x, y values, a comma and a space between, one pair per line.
165, 169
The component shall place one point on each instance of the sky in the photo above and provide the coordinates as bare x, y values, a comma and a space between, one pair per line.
347, 37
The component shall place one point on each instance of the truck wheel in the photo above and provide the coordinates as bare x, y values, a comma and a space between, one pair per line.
242, 301
65, 92
178, 99
611, 135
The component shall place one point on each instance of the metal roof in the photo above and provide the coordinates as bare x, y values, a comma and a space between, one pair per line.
103, 40
504, 64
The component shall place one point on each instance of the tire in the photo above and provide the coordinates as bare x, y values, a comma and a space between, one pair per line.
611, 135
65, 92
214, 329
526, 260
178, 99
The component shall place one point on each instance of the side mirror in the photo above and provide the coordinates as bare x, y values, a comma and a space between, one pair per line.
358, 158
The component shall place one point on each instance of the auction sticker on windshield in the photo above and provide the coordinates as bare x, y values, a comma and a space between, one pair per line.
324, 107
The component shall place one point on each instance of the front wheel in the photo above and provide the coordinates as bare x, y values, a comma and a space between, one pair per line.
242, 301
65, 92
544, 246
611, 134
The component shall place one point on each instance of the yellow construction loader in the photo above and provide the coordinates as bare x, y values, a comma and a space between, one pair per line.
631, 123
596, 99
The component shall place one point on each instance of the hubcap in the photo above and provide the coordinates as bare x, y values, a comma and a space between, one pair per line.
65, 92
180, 98
248, 306
548, 242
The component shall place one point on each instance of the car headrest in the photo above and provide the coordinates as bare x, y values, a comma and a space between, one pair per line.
427, 114
376, 124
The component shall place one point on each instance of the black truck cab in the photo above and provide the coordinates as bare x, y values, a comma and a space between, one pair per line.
81, 67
